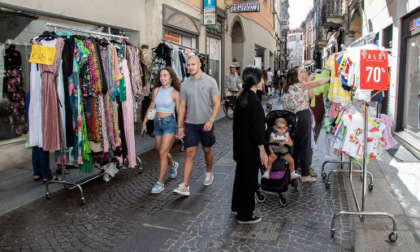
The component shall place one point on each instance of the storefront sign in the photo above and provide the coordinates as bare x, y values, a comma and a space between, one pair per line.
172, 37
414, 24
374, 70
209, 12
42, 55
246, 7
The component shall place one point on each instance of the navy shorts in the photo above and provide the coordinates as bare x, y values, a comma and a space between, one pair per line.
194, 134
165, 126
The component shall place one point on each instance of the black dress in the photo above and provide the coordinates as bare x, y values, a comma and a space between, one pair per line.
248, 134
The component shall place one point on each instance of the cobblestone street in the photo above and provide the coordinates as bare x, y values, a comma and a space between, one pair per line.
122, 215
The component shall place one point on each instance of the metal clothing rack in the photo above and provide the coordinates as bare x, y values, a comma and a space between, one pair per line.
78, 29
342, 162
181, 46
66, 184
361, 211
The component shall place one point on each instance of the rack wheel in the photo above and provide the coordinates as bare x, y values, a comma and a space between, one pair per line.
48, 195
327, 185
324, 175
260, 197
282, 201
370, 187
393, 236
83, 200
332, 233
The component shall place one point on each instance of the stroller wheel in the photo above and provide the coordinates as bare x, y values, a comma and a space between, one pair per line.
260, 197
282, 200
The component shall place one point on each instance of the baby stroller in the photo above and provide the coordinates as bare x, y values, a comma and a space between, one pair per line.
280, 174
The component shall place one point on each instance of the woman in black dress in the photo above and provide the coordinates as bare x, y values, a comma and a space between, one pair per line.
248, 146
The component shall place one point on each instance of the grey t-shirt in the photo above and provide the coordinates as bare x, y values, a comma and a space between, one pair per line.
198, 95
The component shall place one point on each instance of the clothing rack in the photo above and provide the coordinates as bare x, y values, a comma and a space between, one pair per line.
361, 211
66, 184
78, 29
181, 46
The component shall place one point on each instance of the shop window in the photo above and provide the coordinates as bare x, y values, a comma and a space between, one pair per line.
181, 39
411, 115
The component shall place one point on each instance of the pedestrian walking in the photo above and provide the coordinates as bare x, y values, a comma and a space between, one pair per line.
166, 98
233, 81
248, 146
198, 92
296, 100
276, 82
270, 78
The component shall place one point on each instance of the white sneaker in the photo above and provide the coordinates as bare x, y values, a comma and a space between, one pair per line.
266, 175
295, 175
209, 178
182, 190
173, 170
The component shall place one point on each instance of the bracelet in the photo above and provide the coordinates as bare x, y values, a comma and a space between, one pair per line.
180, 127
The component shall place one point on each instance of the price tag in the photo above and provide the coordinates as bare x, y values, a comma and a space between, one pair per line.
374, 70
42, 54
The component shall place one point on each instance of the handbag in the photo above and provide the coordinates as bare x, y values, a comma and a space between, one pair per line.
151, 114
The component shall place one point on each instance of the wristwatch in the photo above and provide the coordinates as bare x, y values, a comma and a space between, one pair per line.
212, 121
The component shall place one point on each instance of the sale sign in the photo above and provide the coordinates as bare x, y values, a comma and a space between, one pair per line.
374, 69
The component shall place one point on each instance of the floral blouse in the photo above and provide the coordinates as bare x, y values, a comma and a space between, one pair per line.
297, 100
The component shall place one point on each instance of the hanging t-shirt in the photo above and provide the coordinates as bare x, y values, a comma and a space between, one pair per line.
336, 92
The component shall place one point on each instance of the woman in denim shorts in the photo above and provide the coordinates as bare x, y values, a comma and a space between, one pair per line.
166, 98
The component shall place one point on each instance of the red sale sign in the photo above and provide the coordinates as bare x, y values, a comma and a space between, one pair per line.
374, 69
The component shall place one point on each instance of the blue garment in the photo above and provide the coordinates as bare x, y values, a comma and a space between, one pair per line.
41, 163
165, 126
163, 101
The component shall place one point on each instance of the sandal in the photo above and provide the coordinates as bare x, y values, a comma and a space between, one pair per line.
308, 179
58, 170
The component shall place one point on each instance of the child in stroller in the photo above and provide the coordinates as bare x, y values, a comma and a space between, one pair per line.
280, 148
279, 175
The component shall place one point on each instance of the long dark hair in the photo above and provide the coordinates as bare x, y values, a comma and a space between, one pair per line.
250, 76
292, 78
175, 81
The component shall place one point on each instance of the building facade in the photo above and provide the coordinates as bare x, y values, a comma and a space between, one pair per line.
250, 36
397, 26
295, 46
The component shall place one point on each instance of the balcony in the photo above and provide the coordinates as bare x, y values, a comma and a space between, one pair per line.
331, 14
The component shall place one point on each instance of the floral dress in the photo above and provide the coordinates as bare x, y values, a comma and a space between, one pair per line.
296, 100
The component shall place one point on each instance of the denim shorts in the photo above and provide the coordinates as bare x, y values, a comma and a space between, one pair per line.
165, 126
194, 134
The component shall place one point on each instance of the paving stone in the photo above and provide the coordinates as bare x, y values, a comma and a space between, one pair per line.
115, 210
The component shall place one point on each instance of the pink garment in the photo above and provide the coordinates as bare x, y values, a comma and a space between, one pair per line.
127, 108
333, 112
49, 106
387, 140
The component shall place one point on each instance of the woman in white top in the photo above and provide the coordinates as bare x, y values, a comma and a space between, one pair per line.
166, 97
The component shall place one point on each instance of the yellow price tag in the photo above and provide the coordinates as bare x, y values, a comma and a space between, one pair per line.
42, 54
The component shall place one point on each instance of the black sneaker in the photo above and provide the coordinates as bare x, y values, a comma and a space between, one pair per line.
253, 220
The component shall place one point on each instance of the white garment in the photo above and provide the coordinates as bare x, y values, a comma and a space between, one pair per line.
35, 114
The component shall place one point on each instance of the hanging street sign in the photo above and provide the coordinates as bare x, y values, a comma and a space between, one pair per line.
245, 7
209, 12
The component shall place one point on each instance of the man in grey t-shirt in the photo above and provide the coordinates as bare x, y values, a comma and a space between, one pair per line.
198, 92
233, 81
